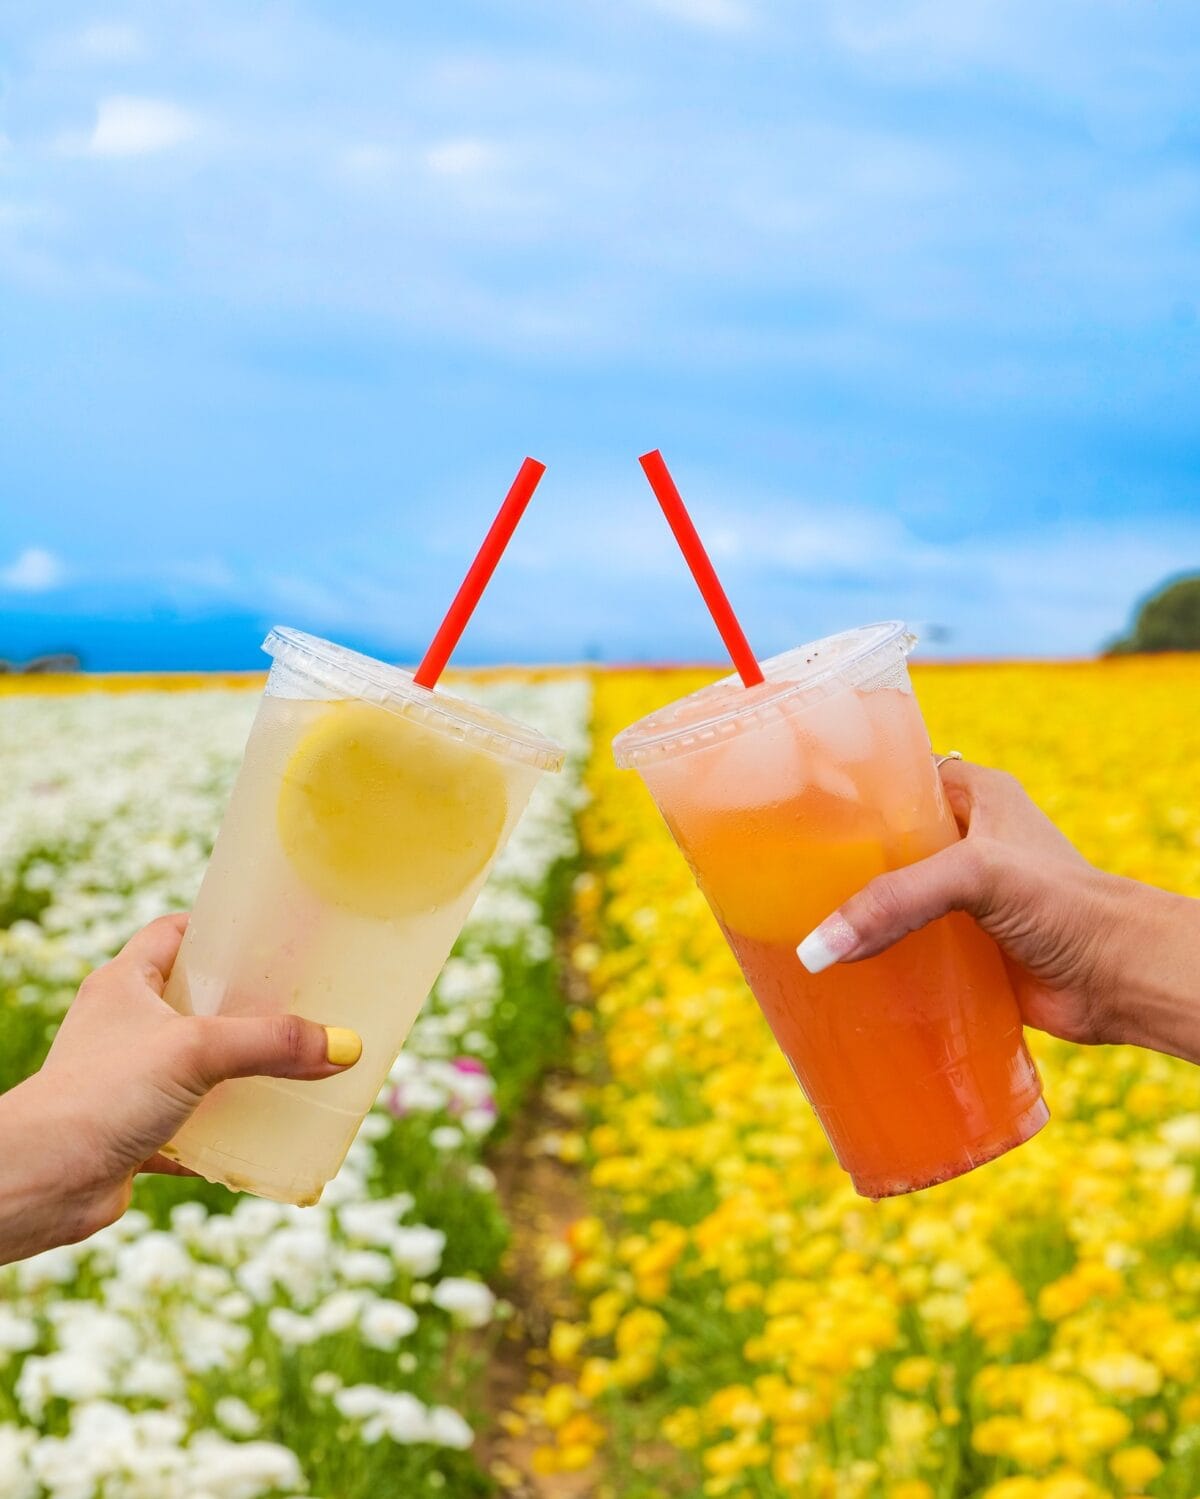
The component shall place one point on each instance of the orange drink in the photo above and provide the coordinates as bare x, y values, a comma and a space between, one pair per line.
785, 798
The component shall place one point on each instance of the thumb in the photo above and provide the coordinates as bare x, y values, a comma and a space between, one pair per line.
219, 1047
894, 904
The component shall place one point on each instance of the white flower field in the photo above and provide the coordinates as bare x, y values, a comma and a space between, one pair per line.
211, 1347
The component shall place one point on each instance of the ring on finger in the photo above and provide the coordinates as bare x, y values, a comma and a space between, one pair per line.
940, 760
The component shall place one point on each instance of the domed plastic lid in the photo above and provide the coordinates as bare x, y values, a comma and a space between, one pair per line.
871, 656
344, 673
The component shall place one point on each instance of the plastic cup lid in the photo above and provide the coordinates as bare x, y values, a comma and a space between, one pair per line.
348, 674
871, 655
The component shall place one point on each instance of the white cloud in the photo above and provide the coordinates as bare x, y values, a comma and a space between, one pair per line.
461, 158
35, 570
131, 126
713, 15
111, 41
367, 162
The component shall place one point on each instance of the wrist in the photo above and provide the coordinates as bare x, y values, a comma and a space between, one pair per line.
1153, 942
40, 1203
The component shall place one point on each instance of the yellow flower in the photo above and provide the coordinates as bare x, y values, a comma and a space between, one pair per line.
595, 1378
571, 1459
1066, 1484
1097, 1429
1014, 1488
580, 1430
743, 1294
566, 1339
912, 1375
994, 1436
605, 1313
1124, 1374
1033, 1447
639, 1330
997, 1308
728, 1458
682, 1427
1135, 1467
558, 1404
914, 1488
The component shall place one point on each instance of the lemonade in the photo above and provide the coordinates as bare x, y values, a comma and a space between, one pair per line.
786, 798
361, 827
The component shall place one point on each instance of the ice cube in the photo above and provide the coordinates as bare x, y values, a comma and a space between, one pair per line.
756, 767
905, 781
841, 726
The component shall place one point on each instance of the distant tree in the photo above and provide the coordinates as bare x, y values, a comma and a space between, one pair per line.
1169, 620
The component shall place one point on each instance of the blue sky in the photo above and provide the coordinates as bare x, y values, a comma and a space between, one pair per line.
908, 294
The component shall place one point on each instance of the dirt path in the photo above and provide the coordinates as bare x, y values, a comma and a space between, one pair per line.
542, 1196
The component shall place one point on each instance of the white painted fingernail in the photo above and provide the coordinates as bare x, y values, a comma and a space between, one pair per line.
828, 944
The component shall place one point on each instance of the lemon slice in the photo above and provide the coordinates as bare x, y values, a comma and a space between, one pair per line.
385, 817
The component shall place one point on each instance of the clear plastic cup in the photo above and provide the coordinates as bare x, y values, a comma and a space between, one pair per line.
362, 824
786, 798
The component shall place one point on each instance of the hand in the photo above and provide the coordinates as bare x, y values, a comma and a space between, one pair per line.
124, 1073
1093, 958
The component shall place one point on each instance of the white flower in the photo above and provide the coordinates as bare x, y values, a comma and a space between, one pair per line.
375, 1222
188, 1219
418, 1095
154, 1377
384, 1323
207, 1343
448, 1429
366, 1267
291, 1328
418, 1249
356, 1402
446, 1137
236, 1416
51, 1267
240, 1470
340, 1310
155, 1260
16, 1479
17, 1333
405, 1419
478, 1122
63, 1376
468, 1301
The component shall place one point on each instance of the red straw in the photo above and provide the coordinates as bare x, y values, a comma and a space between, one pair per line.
702, 569
479, 573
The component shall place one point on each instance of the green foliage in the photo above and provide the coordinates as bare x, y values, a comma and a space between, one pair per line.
1169, 620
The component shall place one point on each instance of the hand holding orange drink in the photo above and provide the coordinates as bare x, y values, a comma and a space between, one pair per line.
788, 790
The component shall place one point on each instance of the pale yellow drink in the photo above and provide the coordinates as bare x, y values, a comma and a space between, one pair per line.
361, 827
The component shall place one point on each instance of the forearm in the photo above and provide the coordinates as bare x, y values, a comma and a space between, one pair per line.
1154, 942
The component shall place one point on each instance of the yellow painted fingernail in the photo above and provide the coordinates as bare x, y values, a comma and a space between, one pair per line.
342, 1047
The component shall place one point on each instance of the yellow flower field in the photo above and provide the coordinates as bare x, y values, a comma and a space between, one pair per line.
747, 1326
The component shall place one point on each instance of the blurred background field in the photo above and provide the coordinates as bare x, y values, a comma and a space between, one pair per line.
697, 1302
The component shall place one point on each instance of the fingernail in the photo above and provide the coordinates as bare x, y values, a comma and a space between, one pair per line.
342, 1047
828, 944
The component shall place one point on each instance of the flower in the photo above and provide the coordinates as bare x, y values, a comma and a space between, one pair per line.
236, 1416
1135, 1468
468, 1302
384, 1323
